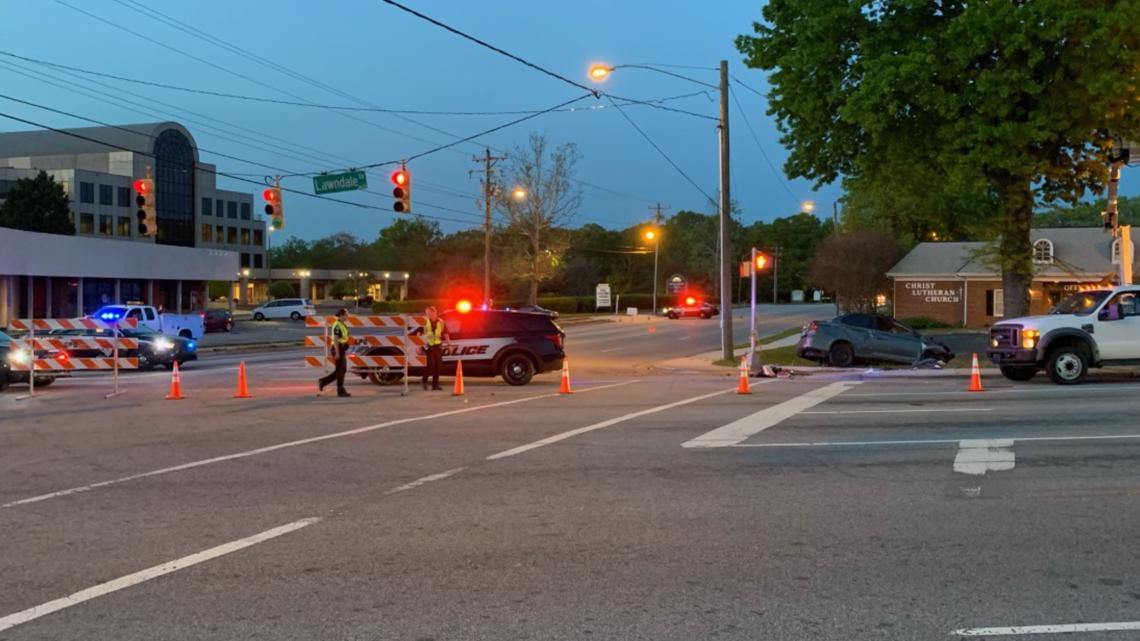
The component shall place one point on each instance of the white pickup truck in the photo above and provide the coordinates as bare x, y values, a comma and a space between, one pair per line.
184, 325
1094, 328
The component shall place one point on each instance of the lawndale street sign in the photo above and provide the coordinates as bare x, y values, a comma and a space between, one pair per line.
333, 183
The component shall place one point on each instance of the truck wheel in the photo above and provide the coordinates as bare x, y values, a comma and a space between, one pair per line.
386, 378
1068, 364
517, 369
841, 354
259, 316
186, 334
1020, 374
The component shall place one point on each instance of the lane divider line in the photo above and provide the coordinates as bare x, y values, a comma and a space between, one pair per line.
603, 424
427, 479
114, 585
743, 429
1068, 628
904, 411
940, 441
296, 443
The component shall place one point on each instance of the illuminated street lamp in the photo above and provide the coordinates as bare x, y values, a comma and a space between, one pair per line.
807, 207
519, 193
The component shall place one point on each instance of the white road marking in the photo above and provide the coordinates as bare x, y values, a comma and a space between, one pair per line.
288, 444
606, 423
427, 479
1047, 629
978, 456
939, 441
35, 612
901, 411
747, 427
613, 349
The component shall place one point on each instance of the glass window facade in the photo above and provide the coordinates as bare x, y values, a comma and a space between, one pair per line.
244, 259
174, 188
219, 234
245, 236
231, 209
207, 233
245, 211
105, 224
125, 226
231, 235
87, 223
258, 238
207, 206
87, 193
258, 261
106, 195
124, 199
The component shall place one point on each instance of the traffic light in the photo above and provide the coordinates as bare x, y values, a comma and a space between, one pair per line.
762, 262
402, 191
274, 207
147, 217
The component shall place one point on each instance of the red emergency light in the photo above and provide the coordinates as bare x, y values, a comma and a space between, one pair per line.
690, 301
463, 306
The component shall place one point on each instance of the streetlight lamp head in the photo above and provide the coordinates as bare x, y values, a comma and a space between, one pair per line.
519, 193
807, 207
600, 72
650, 235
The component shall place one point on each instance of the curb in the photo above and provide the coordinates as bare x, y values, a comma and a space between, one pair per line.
246, 346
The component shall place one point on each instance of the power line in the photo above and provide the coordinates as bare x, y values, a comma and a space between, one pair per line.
594, 92
662, 152
756, 139
755, 91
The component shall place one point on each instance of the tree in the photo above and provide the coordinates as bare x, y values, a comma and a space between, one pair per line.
795, 239
38, 204
1088, 214
1009, 99
854, 267
550, 202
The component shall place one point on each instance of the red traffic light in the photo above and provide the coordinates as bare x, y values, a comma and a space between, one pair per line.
463, 306
142, 186
269, 195
399, 177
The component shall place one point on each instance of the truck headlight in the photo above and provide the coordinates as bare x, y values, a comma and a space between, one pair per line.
163, 345
20, 357
1029, 338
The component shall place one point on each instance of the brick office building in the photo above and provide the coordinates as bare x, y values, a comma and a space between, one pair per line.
955, 284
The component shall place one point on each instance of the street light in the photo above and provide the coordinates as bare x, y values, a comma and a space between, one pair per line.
651, 234
519, 193
599, 72
807, 207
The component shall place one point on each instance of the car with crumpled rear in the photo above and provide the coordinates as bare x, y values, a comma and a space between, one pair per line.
861, 338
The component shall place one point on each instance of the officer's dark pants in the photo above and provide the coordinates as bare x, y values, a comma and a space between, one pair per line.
434, 362
338, 373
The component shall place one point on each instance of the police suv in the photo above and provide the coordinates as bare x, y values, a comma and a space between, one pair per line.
512, 344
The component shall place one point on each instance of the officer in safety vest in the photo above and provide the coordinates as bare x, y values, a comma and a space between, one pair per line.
339, 350
435, 335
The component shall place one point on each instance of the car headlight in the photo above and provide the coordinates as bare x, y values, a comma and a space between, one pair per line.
20, 357
1029, 338
163, 345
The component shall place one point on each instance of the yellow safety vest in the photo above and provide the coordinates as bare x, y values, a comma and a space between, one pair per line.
434, 335
340, 332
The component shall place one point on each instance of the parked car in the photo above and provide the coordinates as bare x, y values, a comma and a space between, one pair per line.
10, 357
692, 308
294, 308
851, 338
218, 320
184, 325
535, 309
154, 349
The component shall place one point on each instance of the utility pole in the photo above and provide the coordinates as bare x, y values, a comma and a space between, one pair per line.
488, 190
775, 273
658, 220
726, 340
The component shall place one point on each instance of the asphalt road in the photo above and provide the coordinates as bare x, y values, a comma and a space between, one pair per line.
651, 506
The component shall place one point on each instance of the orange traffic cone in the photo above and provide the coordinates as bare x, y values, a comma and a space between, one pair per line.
175, 385
565, 388
975, 376
458, 379
243, 386
743, 388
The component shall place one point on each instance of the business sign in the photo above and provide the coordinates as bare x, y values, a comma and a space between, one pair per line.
602, 295
333, 183
934, 292
676, 284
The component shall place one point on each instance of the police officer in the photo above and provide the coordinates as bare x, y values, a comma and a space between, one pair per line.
339, 346
435, 334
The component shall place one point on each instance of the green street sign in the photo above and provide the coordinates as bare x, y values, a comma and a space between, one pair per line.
332, 183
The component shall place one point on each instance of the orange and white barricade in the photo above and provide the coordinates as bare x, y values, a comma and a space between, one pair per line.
53, 353
408, 349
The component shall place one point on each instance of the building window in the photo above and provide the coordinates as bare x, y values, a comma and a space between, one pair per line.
125, 226
258, 238
231, 209
219, 234
124, 197
231, 235
87, 193
207, 206
219, 207
105, 224
258, 261
245, 211
1043, 251
174, 188
106, 195
244, 259
87, 223
207, 233
245, 236
995, 303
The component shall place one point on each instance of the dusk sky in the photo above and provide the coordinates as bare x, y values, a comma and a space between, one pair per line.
387, 58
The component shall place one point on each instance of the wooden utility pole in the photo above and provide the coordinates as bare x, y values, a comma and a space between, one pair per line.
658, 218
726, 257
488, 191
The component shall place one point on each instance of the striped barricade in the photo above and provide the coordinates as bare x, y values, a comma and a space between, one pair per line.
81, 342
67, 364
49, 324
63, 361
411, 347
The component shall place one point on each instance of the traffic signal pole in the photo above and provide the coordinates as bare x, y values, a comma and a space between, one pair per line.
753, 352
726, 342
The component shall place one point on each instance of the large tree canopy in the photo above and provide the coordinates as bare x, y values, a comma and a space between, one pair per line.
1014, 100
37, 204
